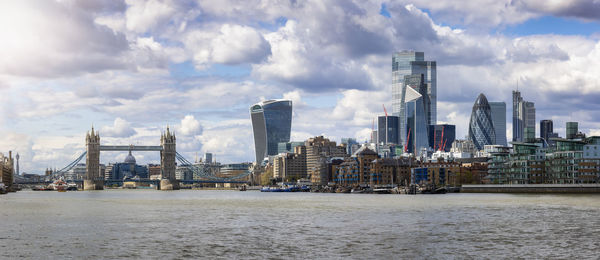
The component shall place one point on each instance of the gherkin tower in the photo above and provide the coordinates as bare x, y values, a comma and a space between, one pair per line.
481, 127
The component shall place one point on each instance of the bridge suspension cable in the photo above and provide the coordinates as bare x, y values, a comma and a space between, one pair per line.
204, 172
70, 165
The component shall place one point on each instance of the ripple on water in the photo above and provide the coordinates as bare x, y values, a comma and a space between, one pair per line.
193, 224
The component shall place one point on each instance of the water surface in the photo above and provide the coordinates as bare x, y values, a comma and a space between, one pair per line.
232, 224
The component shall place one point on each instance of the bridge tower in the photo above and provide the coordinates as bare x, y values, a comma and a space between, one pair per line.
167, 161
92, 179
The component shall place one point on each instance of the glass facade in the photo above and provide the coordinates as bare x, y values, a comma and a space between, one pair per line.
481, 127
441, 137
271, 124
517, 124
498, 110
387, 129
407, 63
546, 128
416, 123
523, 118
287, 147
572, 129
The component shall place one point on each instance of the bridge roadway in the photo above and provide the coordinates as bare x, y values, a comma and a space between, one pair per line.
131, 148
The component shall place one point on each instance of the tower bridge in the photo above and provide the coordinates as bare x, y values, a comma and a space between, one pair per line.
168, 157
93, 180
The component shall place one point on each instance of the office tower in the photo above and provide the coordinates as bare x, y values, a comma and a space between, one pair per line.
387, 130
416, 137
499, 121
373, 137
208, 157
441, 137
407, 63
414, 87
271, 124
572, 129
517, 133
481, 127
546, 128
527, 118
523, 119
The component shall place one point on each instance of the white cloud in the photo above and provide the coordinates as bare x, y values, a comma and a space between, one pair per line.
111, 60
189, 126
142, 16
49, 39
226, 44
120, 128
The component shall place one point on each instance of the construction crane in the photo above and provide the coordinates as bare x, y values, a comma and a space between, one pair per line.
407, 138
384, 110
442, 139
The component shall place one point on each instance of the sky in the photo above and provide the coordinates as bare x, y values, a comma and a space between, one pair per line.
131, 68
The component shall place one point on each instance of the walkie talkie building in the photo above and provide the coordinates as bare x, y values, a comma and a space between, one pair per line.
271, 124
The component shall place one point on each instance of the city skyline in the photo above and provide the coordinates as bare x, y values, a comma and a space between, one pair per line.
131, 68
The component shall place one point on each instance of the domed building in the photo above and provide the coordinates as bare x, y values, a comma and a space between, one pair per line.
481, 128
129, 159
128, 169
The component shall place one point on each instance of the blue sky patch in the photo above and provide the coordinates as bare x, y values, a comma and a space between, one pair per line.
553, 25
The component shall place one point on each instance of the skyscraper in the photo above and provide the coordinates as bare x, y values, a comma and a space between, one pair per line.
546, 128
527, 117
572, 129
416, 122
414, 87
481, 127
271, 124
441, 137
523, 119
387, 129
517, 133
406, 63
499, 121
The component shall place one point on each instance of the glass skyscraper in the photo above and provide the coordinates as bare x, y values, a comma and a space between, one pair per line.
523, 118
416, 122
271, 124
406, 63
387, 130
441, 137
546, 128
481, 127
499, 120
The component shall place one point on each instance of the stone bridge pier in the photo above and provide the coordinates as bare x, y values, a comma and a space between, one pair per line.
94, 181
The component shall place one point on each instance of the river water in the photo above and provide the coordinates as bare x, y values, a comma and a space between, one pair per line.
232, 224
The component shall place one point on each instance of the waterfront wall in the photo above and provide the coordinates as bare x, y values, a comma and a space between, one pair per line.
531, 188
